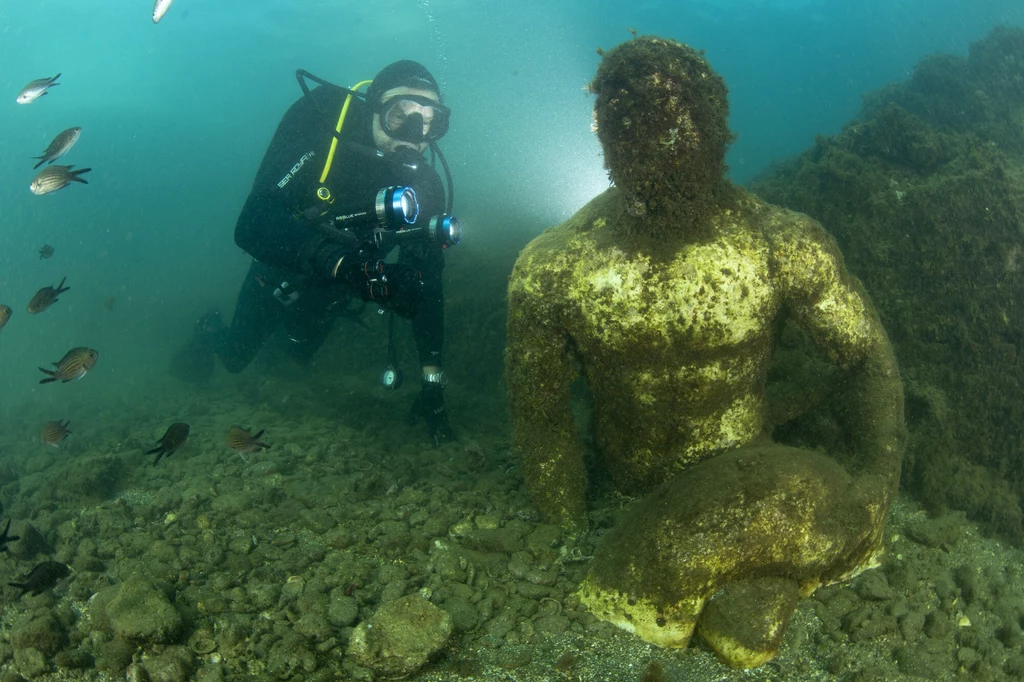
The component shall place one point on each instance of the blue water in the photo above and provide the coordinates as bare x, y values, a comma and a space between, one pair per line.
176, 117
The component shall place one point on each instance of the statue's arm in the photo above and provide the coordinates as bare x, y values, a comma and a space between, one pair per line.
540, 370
831, 305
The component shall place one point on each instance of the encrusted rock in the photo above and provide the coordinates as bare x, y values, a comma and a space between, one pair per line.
44, 633
142, 613
174, 664
401, 636
30, 543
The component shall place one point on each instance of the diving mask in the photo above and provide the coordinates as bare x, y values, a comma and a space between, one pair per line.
413, 118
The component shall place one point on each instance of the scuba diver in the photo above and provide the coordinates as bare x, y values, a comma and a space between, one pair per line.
342, 184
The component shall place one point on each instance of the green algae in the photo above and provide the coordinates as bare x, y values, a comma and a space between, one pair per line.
924, 192
666, 294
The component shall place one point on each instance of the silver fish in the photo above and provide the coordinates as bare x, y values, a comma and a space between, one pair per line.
60, 146
160, 8
36, 89
53, 178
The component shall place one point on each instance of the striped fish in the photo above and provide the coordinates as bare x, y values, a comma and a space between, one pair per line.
75, 363
54, 432
241, 441
53, 178
5, 314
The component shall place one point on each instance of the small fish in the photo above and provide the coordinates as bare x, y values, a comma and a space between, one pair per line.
43, 577
59, 146
173, 438
46, 297
45, 251
5, 538
54, 432
160, 8
75, 363
36, 89
53, 178
5, 314
241, 441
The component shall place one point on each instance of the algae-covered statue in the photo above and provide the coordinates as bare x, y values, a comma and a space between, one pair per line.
666, 293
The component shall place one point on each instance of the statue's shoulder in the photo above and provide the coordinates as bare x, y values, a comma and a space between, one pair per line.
557, 242
595, 214
803, 255
782, 226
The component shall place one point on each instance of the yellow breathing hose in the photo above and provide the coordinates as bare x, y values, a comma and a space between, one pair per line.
337, 129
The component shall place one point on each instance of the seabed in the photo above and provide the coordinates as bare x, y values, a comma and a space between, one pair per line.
271, 563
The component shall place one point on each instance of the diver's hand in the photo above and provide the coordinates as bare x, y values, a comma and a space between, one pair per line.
394, 286
357, 271
429, 404
404, 285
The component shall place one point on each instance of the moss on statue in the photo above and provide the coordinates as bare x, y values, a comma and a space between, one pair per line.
747, 619
662, 113
752, 513
666, 294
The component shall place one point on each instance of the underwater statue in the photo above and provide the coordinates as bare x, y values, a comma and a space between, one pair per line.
666, 293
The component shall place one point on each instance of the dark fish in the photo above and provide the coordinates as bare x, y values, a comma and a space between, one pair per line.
241, 441
57, 177
43, 577
54, 432
5, 314
5, 538
75, 363
46, 297
174, 438
45, 251
59, 146
36, 89
110, 303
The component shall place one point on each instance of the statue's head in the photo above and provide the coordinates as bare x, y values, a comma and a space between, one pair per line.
661, 116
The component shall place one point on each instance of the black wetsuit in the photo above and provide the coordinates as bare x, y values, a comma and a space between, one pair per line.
278, 227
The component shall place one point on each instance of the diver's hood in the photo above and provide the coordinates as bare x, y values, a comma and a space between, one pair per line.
361, 140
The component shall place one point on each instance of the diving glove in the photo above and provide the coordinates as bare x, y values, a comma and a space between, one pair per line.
429, 405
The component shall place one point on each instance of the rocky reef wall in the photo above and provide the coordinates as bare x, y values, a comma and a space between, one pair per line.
924, 191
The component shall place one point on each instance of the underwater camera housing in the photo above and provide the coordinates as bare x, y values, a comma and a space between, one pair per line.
388, 221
